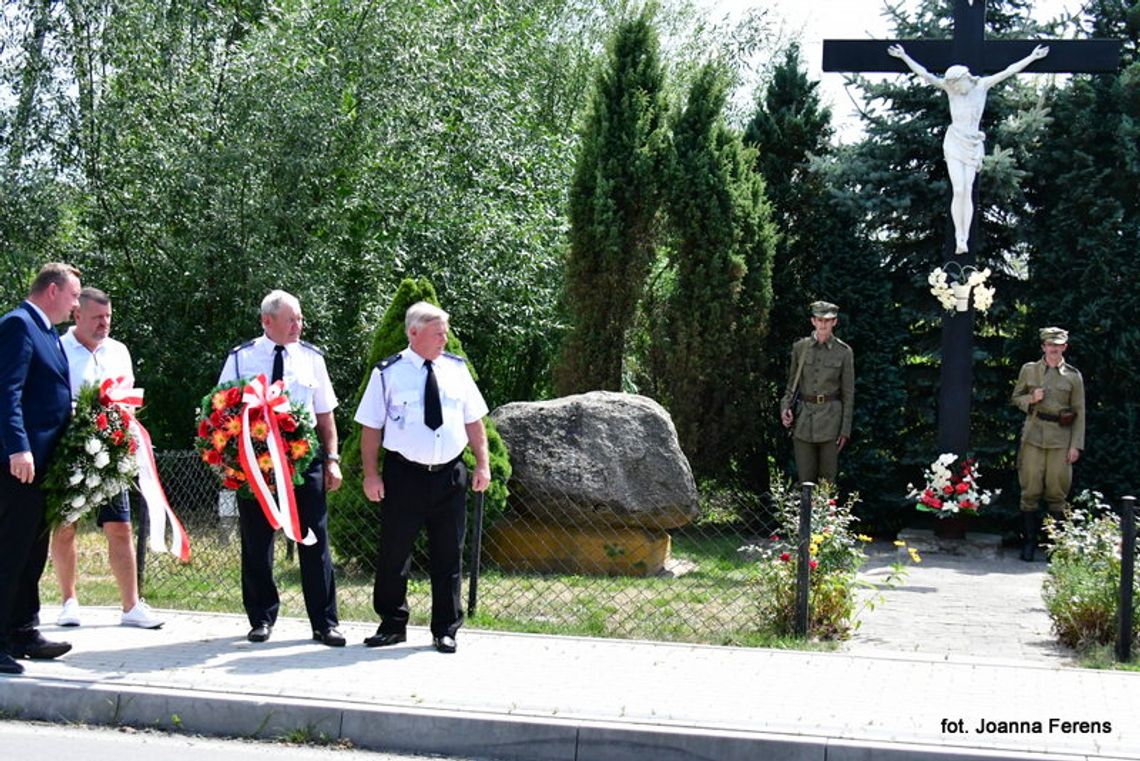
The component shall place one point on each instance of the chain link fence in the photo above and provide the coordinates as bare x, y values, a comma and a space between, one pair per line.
538, 571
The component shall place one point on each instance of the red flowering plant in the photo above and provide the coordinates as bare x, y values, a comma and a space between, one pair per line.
220, 427
951, 490
94, 461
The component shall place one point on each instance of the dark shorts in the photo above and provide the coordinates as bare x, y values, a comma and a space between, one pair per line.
117, 510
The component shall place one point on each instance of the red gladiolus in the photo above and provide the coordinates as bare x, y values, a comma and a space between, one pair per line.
118, 435
101, 421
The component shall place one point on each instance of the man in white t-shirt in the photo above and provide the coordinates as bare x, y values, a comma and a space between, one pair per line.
93, 356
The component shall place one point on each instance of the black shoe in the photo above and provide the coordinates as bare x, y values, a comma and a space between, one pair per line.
1030, 528
444, 644
9, 665
35, 647
259, 633
330, 637
383, 639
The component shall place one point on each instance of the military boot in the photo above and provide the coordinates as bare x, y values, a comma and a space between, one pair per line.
1030, 526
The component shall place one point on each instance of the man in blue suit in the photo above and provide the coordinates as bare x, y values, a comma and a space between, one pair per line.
35, 406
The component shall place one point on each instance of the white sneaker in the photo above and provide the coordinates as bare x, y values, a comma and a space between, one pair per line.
141, 616
69, 616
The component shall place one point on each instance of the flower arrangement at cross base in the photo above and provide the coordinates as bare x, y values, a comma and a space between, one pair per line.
951, 491
94, 461
952, 287
259, 444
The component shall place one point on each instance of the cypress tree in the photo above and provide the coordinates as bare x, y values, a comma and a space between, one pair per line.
717, 312
614, 202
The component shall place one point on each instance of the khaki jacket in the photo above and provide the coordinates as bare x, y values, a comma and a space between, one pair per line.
1064, 390
828, 370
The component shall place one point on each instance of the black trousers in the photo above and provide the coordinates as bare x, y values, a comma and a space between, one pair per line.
258, 589
415, 499
23, 554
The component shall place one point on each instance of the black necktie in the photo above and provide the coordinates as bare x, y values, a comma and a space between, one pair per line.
433, 411
278, 363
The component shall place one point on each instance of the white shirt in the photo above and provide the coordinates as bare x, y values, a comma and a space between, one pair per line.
306, 376
394, 402
111, 359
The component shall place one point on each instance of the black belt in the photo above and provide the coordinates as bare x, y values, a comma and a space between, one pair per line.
422, 466
821, 398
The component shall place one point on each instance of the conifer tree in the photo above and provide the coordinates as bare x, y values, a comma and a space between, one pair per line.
614, 202
1085, 234
717, 312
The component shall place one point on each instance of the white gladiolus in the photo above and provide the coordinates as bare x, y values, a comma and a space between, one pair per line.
93, 446
126, 465
93, 480
79, 501
76, 477
102, 460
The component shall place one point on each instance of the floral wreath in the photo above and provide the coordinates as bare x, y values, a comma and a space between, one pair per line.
259, 443
947, 492
955, 295
94, 461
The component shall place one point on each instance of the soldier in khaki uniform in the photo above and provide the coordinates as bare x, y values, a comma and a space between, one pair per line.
1051, 393
820, 396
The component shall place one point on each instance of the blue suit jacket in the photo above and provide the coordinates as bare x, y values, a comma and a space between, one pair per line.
35, 395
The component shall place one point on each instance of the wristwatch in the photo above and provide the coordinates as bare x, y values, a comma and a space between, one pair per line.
332, 458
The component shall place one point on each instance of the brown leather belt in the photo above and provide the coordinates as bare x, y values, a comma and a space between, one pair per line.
821, 398
419, 465
1048, 416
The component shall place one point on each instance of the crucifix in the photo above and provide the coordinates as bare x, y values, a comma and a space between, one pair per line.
993, 60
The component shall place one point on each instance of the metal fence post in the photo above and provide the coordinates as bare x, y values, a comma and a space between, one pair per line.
476, 552
803, 558
1127, 570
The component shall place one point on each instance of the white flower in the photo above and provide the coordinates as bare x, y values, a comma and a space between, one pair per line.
93, 446
93, 480
79, 501
76, 477
102, 460
126, 465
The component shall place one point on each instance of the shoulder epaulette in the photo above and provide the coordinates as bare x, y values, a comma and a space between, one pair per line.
314, 347
454, 356
387, 362
245, 345
840, 341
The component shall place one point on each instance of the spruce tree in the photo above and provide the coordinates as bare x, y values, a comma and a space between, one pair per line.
1085, 234
614, 202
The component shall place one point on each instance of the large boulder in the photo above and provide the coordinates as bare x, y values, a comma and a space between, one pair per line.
597, 459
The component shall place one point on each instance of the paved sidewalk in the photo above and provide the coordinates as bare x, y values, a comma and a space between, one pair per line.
532, 697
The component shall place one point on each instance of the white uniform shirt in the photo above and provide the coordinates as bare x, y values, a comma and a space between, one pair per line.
111, 359
306, 377
394, 402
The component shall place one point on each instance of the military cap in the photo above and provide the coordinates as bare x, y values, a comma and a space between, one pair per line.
825, 310
1054, 336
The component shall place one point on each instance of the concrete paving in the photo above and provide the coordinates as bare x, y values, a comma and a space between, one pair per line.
959, 645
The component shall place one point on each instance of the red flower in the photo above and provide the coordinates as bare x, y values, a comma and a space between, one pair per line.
831, 502
962, 488
203, 428
132, 445
213, 457
785, 557
233, 396
118, 435
773, 538
947, 489
813, 564
287, 422
101, 421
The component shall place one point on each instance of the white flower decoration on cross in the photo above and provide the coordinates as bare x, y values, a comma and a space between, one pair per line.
952, 283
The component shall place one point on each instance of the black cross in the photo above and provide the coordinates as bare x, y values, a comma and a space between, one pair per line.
970, 48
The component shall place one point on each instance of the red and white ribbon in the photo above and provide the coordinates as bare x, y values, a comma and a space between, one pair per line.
116, 391
280, 512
